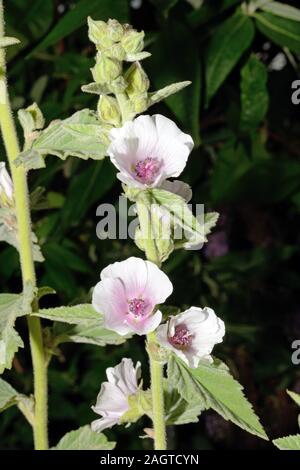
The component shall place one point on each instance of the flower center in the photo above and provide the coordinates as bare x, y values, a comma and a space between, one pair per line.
181, 338
137, 307
147, 170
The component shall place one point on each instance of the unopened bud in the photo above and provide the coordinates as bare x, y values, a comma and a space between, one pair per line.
138, 81
106, 69
133, 41
97, 30
109, 111
115, 30
116, 51
140, 102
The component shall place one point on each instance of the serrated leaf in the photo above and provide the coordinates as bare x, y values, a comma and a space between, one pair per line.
75, 315
9, 233
10, 397
88, 333
78, 136
11, 307
7, 395
254, 93
84, 439
159, 95
217, 389
179, 411
288, 442
282, 31
281, 9
228, 42
294, 396
8, 41
30, 159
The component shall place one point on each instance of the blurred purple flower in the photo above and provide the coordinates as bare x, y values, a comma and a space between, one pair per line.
217, 245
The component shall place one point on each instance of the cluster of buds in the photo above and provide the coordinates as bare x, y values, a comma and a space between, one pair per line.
123, 89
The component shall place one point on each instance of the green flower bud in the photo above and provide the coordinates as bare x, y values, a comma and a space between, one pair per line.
138, 81
106, 69
115, 51
97, 30
140, 102
115, 30
118, 85
133, 41
109, 111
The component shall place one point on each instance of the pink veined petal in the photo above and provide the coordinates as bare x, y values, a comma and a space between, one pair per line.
158, 287
104, 423
124, 376
133, 274
109, 298
111, 400
146, 325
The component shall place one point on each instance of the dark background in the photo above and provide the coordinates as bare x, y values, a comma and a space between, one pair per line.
249, 271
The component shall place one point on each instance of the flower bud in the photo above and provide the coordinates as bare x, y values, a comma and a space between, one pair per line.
137, 79
133, 41
97, 30
118, 85
109, 111
140, 102
106, 69
6, 187
116, 51
115, 30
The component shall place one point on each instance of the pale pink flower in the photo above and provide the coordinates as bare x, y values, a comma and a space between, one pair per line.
148, 150
128, 294
192, 334
6, 184
112, 401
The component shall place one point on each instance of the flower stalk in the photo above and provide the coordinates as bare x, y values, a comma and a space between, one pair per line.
26, 254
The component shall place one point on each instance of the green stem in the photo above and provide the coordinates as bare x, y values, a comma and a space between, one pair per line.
158, 406
25, 248
156, 368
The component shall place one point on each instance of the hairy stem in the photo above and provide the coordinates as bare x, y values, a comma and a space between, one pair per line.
25, 248
158, 411
156, 368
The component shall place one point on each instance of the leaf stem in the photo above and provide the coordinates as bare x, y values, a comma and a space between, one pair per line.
26, 254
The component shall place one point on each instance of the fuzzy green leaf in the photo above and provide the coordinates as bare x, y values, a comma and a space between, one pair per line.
11, 307
7, 395
288, 442
88, 333
75, 315
78, 136
294, 396
159, 95
216, 388
84, 439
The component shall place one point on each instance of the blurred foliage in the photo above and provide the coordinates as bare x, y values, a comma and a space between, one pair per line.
246, 165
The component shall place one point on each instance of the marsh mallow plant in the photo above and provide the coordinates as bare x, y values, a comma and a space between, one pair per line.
130, 298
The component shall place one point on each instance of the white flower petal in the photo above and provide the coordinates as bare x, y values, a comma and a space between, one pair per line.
6, 184
149, 137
